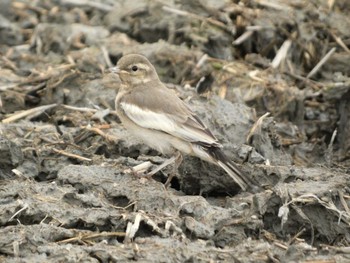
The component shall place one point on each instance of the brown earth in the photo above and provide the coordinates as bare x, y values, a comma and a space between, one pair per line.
67, 191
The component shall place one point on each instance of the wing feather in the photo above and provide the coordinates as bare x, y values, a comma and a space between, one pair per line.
187, 127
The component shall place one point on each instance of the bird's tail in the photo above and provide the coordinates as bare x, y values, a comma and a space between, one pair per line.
231, 169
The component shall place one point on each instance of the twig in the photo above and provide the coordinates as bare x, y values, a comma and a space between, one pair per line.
321, 62
100, 115
301, 213
106, 57
94, 4
132, 228
68, 107
280, 245
61, 79
343, 202
42, 221
195, 16
296, 236
329, 151
252, 74
340, 42
98, 131
228, 67
256, 126
202, 60
25, 6
100, 127
17, 172
282, 53
123, 208
310, 198
88, 236
9, 63
345, 250
313, 83
273, 5
52, 72
71, 155
42, 77
85, 109
223, 91
28, 113
330, 4
140, 168
19, 211
258, 28
247, 34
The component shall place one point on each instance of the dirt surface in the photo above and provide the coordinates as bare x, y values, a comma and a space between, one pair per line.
270, 79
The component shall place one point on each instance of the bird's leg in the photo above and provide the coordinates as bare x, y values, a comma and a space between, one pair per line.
178, 160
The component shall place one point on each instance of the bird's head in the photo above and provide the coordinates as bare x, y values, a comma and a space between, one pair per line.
135, 69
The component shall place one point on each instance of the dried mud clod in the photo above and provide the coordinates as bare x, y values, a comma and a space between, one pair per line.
269, 78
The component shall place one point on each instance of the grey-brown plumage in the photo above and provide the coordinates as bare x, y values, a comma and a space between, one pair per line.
153, 113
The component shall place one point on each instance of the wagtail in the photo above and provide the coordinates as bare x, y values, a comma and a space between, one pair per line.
156, 115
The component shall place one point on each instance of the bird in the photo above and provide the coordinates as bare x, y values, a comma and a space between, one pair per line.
155, 114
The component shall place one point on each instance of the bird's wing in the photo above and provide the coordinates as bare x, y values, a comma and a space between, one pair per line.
162, 110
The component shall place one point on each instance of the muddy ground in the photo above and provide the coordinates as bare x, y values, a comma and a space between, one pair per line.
270, 78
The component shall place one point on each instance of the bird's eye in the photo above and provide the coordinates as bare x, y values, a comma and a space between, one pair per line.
134, 68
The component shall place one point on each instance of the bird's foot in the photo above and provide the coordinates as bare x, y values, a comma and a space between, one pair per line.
178, 160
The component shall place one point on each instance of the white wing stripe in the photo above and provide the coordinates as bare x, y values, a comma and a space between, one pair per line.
158, 121
147, 118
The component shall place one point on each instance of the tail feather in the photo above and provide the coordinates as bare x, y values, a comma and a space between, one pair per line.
231, 169
235, 174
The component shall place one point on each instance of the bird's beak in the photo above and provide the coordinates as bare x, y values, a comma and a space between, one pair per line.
115, 70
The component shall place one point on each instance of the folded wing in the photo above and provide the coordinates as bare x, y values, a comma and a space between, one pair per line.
176, 119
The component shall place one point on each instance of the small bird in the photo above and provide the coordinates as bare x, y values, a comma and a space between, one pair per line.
156, 115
